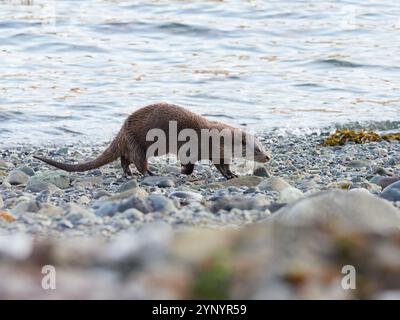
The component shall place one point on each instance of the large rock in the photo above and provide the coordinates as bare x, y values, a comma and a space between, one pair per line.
17, 177
273, 184
392, 192
353, 210
58, 177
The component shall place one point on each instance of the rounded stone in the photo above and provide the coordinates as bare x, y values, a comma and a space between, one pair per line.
290, 194
186, 195
392, 192
159, 181
58, 178
384, 181
17, 177
41, 186
128, 186
161, 203
261, 172
29, 171
273, 184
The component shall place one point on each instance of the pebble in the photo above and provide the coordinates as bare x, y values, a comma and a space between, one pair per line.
88, 182
26, 206
133, 214
128, 186
101, 193
359, 163
137, 192
344, 184
261, 172
29, 171
4, 165
392, 192
382, 171
273, 184
384, 181
40, 187
159, 181
42, 197
107, 209
242, 203
84, 200
289, 195
57, 177
161, 203
186, 195
17, 177
242, 181
7, 216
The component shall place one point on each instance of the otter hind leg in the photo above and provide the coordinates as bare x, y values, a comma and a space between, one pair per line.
125, 166
140, 161
226, 171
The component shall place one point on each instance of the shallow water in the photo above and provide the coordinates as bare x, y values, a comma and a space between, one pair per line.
73, 70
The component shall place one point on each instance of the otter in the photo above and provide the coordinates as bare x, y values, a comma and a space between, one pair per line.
131, 143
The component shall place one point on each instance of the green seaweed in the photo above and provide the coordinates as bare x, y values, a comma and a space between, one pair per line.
213, 279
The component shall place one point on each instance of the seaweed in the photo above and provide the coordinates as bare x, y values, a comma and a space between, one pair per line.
213, 279
343, 136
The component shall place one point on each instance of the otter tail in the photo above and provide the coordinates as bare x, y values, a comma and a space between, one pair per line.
110, 154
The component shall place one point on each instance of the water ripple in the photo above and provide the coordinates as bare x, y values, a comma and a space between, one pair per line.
299, 64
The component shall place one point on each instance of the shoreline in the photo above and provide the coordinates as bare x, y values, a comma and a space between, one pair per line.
380, 126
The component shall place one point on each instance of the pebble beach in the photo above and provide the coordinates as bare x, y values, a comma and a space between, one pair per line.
44, 201
101, 218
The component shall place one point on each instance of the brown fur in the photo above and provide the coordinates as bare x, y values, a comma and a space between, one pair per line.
130, 144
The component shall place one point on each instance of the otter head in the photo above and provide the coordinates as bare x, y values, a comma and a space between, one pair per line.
252, 149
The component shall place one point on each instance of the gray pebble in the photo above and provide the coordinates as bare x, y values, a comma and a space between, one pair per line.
159, 181
17, 177
186, 195
127, 186
392, 192
161, 203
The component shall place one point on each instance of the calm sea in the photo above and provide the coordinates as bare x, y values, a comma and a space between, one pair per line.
73, 70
